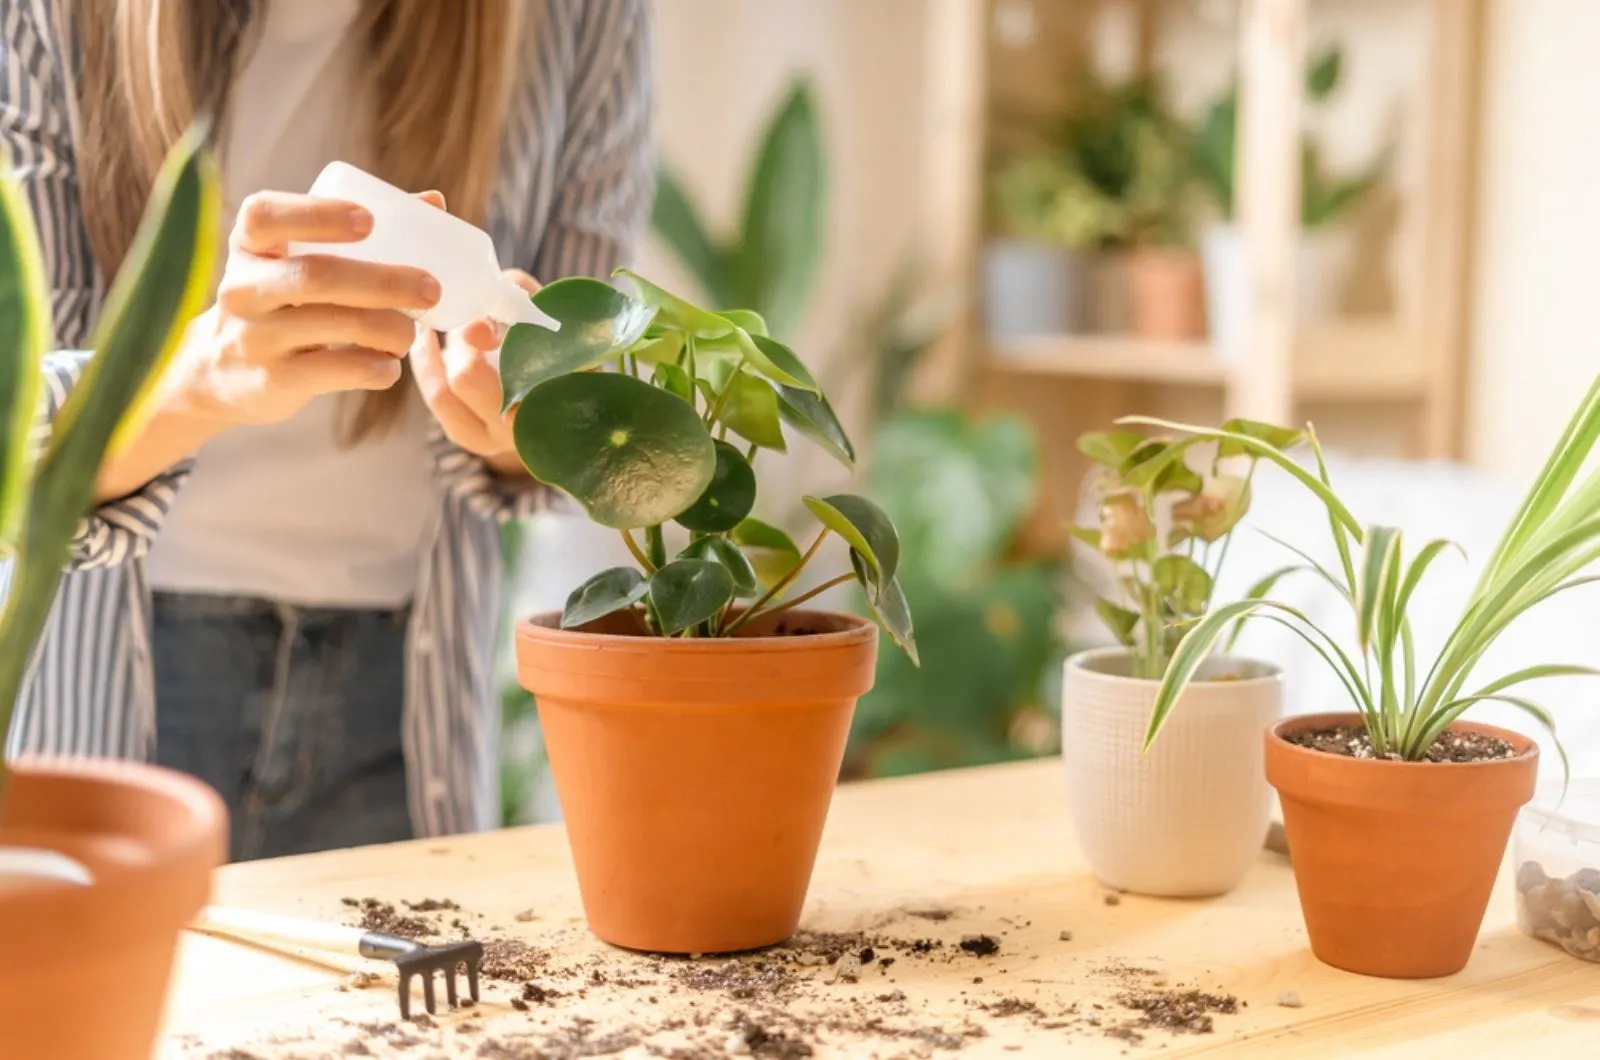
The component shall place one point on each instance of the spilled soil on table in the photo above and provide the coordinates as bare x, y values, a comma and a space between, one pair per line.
820, 989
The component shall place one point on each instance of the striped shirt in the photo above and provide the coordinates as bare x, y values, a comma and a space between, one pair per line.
576, 177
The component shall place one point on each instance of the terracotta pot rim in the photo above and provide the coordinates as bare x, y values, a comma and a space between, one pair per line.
546, 626
1527, 747
1077, 661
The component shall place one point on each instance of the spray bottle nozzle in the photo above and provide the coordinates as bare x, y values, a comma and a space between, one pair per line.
515, 306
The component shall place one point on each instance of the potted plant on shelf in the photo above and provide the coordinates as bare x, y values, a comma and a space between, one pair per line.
1397, 811
101, 863
1188, 817
1325, 200
695, 715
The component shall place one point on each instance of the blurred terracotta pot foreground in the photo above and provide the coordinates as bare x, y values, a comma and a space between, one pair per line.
87, 968
695, 774
1395, 861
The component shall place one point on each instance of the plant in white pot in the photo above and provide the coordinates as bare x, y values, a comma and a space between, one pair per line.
101, 863
1186, 817
1325, 200
1397, 811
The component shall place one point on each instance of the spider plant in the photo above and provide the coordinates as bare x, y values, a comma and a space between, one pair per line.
1553, 538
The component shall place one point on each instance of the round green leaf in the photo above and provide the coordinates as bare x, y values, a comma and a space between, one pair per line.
598, 322
812, 416
773, 552
727, 499
675, 311
610, 590
718, 549
689, 591
675, 381
1184, 583
631, 454
751, 412
776, 361
889, 607
865, 526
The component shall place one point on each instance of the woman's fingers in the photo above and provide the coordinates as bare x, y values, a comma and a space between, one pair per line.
256, 286
309, 326
327, 371
269, 221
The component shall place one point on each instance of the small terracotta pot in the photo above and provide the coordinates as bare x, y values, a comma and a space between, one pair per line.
695, 774
1395, 861
87, 968
1167, 293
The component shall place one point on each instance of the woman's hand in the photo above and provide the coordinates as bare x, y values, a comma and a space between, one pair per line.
282, 331
460, 382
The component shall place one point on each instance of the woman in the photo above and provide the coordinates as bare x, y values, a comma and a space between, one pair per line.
290, 589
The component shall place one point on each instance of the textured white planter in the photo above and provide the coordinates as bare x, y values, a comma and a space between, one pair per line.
1187, 818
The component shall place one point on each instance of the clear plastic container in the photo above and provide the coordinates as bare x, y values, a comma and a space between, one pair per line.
1556, 849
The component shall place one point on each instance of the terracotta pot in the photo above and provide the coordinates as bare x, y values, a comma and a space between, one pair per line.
695, 774
87, 967
1166, 289
1395, 861
1187, 818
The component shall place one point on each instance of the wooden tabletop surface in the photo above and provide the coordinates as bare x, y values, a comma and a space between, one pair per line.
915, 867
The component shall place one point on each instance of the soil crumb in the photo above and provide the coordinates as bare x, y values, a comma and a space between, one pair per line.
511, 960
981, 945
1454, 746
383, 917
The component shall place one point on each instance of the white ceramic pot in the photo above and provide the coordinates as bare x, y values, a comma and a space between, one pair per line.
1188, 818
1030, 289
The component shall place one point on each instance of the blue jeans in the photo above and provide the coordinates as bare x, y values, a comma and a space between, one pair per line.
293, 714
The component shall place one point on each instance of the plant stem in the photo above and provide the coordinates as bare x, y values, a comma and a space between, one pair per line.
750, 454
638, 553
781, 584
807, 595
722, 398
632, 364
657, 545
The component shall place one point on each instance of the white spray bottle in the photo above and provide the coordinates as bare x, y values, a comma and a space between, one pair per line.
408, 231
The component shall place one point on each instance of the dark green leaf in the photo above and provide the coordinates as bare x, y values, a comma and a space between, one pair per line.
889, 607
783, 227
727, 499
1184, 583
598, 322
773, 552
776, 361
812, 416
675, 381
751, 411
865, 527
606, 592
718, 549
1119, 620
670, 309
631, 454
676, 220
686, 592
1323, 76
1109, 448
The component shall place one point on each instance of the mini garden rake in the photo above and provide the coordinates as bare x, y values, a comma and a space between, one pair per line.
409, 957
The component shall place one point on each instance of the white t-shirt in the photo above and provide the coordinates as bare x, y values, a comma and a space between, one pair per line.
284, 511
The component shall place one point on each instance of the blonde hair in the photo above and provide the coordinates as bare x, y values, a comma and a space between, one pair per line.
441, 75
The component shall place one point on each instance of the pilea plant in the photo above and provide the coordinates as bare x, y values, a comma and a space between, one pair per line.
651, 413
1165, 529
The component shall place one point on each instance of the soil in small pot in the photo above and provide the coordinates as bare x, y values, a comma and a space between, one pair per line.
1352, 741
1565, 911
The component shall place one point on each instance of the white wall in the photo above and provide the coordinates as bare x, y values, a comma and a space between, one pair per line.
1536, 347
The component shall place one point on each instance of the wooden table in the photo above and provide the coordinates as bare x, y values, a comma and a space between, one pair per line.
992, 847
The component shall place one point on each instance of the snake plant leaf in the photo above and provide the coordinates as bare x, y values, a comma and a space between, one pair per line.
812, 416
865, 527
670, 309
607, 592
632, 454
776, 262
772, 552
688, 591
24, 340
729, 497
889, 607
598, 322
718, 549
162, 284
674, 217
751, 411
776, 361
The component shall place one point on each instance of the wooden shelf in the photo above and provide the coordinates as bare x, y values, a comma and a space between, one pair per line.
1357, 361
